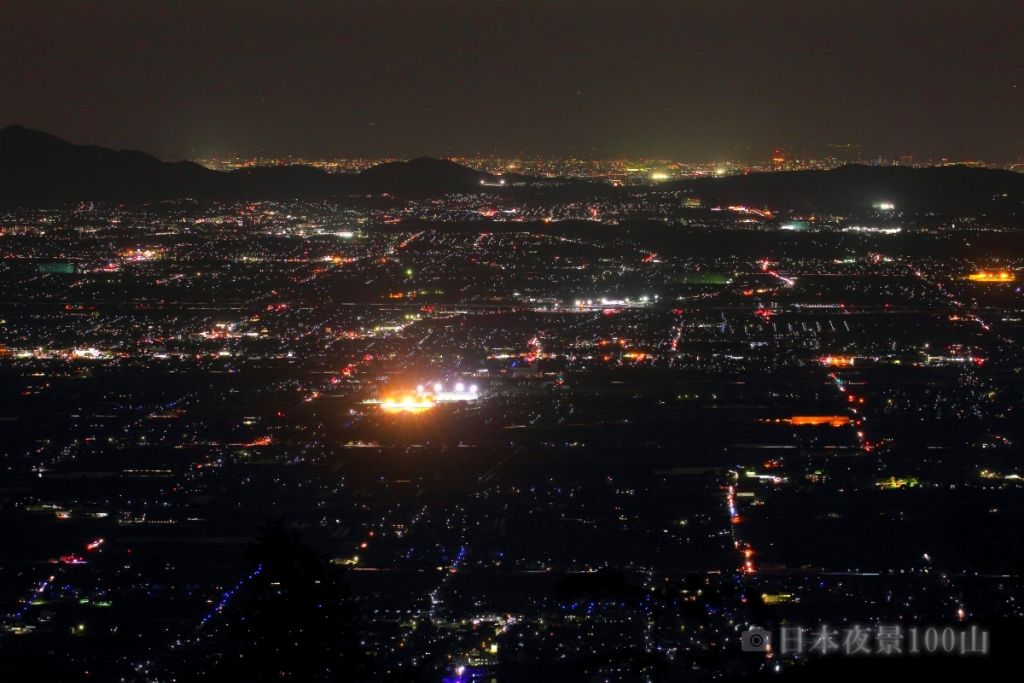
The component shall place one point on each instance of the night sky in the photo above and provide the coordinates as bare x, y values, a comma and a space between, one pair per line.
688, 80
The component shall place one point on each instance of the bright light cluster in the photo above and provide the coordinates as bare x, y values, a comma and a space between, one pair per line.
407, 404
427, 396
460, 392
987, 276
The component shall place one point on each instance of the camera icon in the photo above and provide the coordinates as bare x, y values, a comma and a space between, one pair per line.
755, 640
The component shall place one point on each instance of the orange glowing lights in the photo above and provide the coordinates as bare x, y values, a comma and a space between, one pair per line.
407, 404
819, 420
992, 276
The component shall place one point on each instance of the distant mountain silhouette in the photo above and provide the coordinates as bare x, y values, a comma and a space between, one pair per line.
854, 188
422, 173
38, 168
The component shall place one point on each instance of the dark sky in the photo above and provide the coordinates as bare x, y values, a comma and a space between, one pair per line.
689, 80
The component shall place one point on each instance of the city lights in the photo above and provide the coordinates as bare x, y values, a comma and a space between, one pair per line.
661, 367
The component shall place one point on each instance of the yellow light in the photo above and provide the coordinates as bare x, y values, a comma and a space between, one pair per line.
407, 404
987, 276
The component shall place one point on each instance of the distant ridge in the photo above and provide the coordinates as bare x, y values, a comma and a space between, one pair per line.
38, 169
423, 172
855, 188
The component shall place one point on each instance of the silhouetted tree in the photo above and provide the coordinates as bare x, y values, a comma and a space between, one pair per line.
292, 620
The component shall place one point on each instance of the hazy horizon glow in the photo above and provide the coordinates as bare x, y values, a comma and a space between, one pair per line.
688, 81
